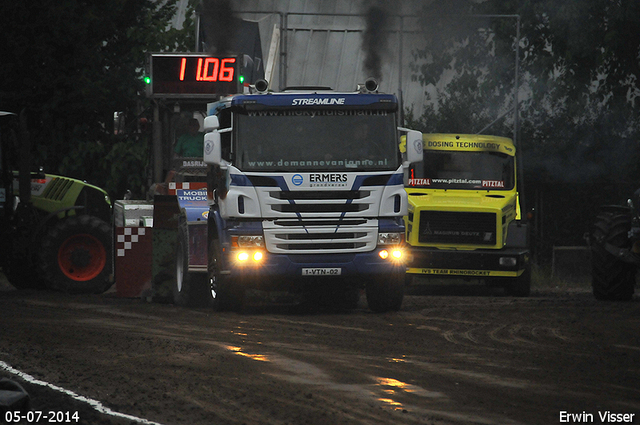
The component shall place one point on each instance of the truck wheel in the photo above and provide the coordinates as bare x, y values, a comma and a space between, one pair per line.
227, 293
611, 278
75, 255
519, 286
189, 289
351, 298
385, 293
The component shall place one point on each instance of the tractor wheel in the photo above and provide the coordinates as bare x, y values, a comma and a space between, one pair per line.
189, 289
76, 255
385, 293
228, 294
611, 278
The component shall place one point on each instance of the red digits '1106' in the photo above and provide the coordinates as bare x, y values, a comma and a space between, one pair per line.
211, 69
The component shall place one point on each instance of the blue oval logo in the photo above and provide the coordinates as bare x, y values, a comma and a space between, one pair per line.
297, 179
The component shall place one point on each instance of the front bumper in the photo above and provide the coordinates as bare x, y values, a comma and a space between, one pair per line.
278, 267
480, 263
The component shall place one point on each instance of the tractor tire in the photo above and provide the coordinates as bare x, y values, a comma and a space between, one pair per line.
189, 289
228, 294
611, 278
385, 293
76, 255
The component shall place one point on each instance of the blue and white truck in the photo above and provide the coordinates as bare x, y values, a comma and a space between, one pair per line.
306, 194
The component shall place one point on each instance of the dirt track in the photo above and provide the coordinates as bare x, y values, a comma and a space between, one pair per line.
443, 359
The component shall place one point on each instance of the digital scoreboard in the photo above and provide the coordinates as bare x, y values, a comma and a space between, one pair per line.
188, 75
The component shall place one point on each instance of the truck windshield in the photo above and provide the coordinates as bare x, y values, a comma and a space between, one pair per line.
301, 140
464, 170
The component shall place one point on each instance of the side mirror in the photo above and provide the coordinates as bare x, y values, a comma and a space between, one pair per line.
211, 123
212, 147
414, 146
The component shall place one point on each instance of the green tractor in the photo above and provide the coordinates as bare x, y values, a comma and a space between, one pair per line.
55, 231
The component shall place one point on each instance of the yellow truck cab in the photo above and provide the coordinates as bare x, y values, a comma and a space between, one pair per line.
464, 217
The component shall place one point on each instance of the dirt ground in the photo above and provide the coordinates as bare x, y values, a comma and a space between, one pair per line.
449, 357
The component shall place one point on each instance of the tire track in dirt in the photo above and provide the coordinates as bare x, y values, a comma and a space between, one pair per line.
393, 396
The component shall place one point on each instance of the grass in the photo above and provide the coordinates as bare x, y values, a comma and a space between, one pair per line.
543, 278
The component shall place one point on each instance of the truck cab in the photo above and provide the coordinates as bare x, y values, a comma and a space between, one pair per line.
464, 218
310, 194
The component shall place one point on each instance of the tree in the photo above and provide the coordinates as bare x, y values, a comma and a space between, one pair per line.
580, 96
71, 64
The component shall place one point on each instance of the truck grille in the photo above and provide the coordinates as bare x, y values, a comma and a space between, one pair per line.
345, 194
316, 236
332, 202
470, 228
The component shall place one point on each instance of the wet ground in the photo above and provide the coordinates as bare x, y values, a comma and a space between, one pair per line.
463, 356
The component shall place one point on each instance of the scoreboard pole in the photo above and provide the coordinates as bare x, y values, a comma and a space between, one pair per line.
157, 144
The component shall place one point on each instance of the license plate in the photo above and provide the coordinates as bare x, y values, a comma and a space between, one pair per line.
322, 271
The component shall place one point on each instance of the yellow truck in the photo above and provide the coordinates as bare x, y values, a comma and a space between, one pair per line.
464, 217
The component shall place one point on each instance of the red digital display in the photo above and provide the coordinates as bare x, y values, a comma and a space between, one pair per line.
192, 75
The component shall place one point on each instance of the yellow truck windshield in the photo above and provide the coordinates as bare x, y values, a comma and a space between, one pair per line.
471, 170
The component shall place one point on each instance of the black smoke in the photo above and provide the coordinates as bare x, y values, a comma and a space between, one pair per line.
218, 28
374, 40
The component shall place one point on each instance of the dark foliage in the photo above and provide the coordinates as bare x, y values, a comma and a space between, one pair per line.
579, 99
71, 64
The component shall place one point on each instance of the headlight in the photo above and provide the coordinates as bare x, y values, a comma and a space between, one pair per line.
250, 241
508, 261
390, 238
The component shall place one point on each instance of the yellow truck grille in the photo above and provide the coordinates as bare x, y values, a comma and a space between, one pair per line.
451, 227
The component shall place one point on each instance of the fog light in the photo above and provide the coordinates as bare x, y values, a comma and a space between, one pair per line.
508, 261
397, 254
243, 256
384, 254
257, 256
